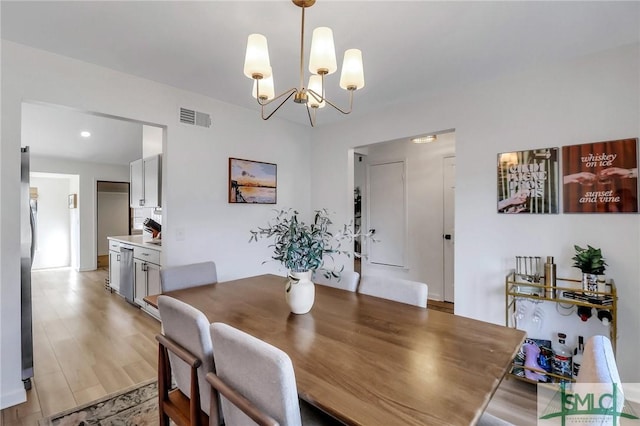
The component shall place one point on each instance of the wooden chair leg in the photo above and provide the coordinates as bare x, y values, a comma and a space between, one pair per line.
194, 410
214, 408
163, 388
196, 416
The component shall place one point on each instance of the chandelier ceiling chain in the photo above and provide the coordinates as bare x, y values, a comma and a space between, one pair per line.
322, 61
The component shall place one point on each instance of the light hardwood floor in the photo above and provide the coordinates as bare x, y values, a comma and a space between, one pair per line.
440, 306
89, 343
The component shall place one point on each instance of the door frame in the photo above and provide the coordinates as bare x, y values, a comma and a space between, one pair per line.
97, 218
448, 290
357, 261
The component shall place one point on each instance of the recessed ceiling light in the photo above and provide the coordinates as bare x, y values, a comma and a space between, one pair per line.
424, 139
85, 134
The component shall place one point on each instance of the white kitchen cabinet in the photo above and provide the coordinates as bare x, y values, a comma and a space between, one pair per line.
140, 281
146, 277
136, 187
153, 280
114, 266
146, 182
152, 181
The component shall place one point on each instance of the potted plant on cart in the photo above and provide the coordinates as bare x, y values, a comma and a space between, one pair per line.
591, 262
302, 248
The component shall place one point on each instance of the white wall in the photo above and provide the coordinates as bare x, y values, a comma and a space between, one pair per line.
89, 174
151, 141
53, 246
198, 223
424, 180
591, 99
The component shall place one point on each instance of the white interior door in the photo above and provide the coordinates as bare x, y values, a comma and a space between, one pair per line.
449, 191
387, 213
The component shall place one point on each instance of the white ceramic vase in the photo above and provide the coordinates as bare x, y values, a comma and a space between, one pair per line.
300, 292
589, 284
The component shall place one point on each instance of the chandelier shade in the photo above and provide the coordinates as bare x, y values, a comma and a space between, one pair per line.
256, 59
352, 77
315, 89
267, 89
322, 62
322, 58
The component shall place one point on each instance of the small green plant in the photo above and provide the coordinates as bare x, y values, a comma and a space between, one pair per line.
302, 247
589, 260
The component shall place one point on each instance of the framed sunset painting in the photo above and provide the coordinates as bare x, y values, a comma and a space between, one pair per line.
252, 182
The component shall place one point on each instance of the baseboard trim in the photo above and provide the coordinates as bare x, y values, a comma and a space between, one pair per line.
14, 397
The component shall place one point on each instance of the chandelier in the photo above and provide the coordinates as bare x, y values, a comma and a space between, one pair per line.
322, 62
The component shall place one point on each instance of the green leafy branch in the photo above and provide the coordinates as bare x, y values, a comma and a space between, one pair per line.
303, 247
589, 260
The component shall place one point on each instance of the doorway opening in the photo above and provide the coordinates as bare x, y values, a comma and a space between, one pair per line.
56, 224
113, 216
359, 185
96, 147
408, 190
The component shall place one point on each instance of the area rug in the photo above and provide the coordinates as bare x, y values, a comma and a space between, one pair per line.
136, 406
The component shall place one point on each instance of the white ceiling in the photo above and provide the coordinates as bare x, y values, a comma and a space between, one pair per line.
410, 48
55, 132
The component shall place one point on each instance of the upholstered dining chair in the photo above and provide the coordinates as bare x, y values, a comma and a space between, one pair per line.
403, 291
237, 400
185, 350
185, 276
348, 280
257, 383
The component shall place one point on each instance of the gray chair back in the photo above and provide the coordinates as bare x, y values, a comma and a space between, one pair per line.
188, 327
348, 280
403, 291
599, 373
598, 362
186, 276
262, 373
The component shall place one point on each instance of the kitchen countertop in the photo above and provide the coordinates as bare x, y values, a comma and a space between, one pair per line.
137, 240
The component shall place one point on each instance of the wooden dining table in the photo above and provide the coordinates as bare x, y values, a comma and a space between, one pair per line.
366, 360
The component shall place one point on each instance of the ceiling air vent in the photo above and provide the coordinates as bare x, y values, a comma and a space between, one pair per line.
195, 118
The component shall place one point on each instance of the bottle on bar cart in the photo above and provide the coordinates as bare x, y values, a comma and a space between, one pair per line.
577, 357
562, 357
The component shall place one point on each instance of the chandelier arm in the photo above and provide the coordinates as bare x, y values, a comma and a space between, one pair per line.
285, 93
312, 121
319, 98
293, 91
315, 95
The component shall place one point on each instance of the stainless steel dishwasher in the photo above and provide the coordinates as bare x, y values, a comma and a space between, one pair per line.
126, 272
